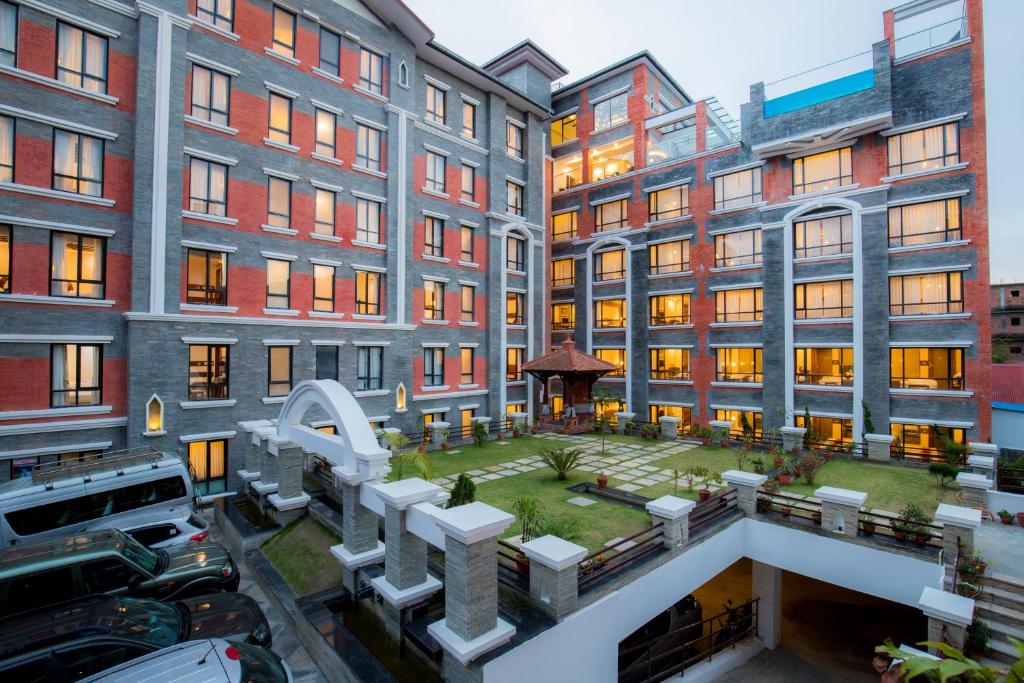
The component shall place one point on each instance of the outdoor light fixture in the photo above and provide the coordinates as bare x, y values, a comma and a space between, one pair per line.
400, 402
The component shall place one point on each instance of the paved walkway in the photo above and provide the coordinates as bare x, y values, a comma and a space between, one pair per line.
1002, 546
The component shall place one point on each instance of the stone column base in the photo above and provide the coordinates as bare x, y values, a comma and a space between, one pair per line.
466, 650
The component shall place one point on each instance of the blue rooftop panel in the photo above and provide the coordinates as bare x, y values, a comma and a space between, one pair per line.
823, 92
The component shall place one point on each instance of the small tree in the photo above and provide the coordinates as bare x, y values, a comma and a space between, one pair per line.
694, 472
675, 482
479, 433
463, 492
415, 459
809, 465
943, 472
954, 666
869, 426
809, 436
561, 460
747, 429
528, 513
953, 450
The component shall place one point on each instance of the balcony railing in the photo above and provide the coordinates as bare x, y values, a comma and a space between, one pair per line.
932, 37
820, 84
677, 374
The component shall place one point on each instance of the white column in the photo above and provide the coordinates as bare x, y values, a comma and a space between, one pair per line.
766, 586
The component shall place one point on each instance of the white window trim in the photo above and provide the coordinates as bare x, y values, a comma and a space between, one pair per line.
192, 152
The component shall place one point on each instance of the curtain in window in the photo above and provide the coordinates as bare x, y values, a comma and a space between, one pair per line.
197, 458
89, 375
6, 147
64, 264
65, 153
63, 374
95, 61
920, 219
92, 266
91, 165
821, 167
69, 48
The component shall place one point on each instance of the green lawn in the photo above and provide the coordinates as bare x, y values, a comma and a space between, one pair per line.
471, 457
301, 554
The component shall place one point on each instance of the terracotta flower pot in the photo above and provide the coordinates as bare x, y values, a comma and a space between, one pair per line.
785, 479
1020, 518
1006, 519
523, 565
778, 462
705, 442
869, 527
816, 517
758, 469
602, 481
704, 495
724, 443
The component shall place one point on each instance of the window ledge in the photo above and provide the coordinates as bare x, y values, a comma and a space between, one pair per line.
729, 269
159, 433
683, 326
280, 145
210, 308
435, 193
377, 96
435, 124
469, 264
820, 193
277, 230
818, 259
823, 387
371, 392
55, 412
280, 311
325, 314
670, 381
515, 383
369, 245
425, 321
606, 378
469, 386
325, 238
515, 326
469, 323
741, 323
326, 159
437, 259
926, 393
209, 124
513, 271
613, 281
469, 202
567, 286
609, 329
324, 74
563, 240
925, 172
365, 316
221, 403
56, 194
196, 21
659, 276
929, 245
369, 171
270, 400
59, 85
437, 387
209, 217
271, 52
513, 157
731, 209
823, 321
668, 221
931, 316
740, 385
56, 300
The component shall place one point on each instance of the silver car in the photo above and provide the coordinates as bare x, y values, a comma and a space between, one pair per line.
159, 530
201, 661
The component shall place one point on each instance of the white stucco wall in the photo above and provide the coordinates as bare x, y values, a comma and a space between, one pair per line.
1008, 428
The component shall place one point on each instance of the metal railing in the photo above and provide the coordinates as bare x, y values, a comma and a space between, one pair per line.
705, 515
1010, 478
513, 567
600, 564
932, 37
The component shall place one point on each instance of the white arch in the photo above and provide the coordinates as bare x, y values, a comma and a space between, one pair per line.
627, 261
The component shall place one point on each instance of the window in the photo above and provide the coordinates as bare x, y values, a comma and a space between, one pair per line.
466, 360
284, 32
433, 367
209, 464
831, 299
926, 294
738, 248
435, 104
515, 257
76, 374
925, 223
922, 150
670, 257
610, 112
8, 33
433, 300
211, 95
741, 188
433, 237
683, 413
330, 51
368, 144
279, 202
924, 439
611, 159
219, 13
738, 365
515, 303
925, 368
6, 149
207, 372
468, 120
323, 288
826, 430
77, 265
468, 308
563, 316
671, 141
77, 163
368, 221
514, 198
563, 129
823, 237
207, 187
822, 171
278, 281
368, 292
371, 71
610, 215
670, 364
5, 259
670, 309
280, 125
468, 182
513, 140
467, 246
563, 272
671, 202
609, 265
207, 278
81, 58
739, 305
830, 367
514, 364
610, 313
435, 172
563, 226
279, 370
326, 133
567, 171
754, 419
323, 212
327, 362
616, 357
369, 368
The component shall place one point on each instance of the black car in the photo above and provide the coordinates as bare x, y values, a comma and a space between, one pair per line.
76, 639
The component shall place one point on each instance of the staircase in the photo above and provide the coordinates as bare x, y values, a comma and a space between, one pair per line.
1001, 606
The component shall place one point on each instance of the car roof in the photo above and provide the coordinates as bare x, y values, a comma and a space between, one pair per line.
59, 551
179, 664
132, 520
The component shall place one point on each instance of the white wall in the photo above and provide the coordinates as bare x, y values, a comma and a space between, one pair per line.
1000, 500
1008, 428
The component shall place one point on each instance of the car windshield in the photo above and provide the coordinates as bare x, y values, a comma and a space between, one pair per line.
259, 665
141, 555
159, 623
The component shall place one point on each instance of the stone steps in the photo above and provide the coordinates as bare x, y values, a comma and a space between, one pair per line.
1002, 582
990, 613
1001, 651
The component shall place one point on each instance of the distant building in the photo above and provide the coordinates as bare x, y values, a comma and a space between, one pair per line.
1008, 407
1007, 329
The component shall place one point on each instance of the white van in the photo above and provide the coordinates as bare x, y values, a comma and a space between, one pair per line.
69, 497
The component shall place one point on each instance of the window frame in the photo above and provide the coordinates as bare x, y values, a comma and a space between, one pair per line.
78, 387
564, 235
436, 111
515, 305
656, 267
273, 384
948, 158
820, 249
101, 259
79, 179
363, 232
724, 315
844, 158
213, 16
469, 131
467, 315
467, 376
274, 133
657, 370
845, 301
209, 292
369, 141
953, 383
82, 76
752, 258
7, 169
371, 71
603, 323
514, 138
433, 366
684, 318
567, 281
606, 120
318, 221
324, 304
369, 381
273, 215
5, 52
207, 112
436, 312
599, 274
433, 236
950, 305
279, 46
205, 203
949, 234
321, 145
369, 287
320, 351
655, 215
556, 322
464, 255
514, 364
515, 197
515, 254
7, 263
204, 485
437, 165
757, 374
808, 378
561, 122
210, 388
287, 296
723, 203
601, 225
333, 68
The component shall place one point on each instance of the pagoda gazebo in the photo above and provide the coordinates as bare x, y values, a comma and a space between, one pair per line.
577, 371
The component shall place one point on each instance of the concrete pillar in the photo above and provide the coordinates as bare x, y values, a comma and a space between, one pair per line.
554, 573
383, 439
984, 465
879, 447
360, 546
669, 427
674, 516
840, 509
792, 438
746, 485
290, 498
948, 614
973, 488
471, 625
439, 431
253, 449
620, 421
719, 430
989, 450
267, 483
766, 585
958, 525
518, 422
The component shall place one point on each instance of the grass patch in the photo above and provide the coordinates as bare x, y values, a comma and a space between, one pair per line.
301, 554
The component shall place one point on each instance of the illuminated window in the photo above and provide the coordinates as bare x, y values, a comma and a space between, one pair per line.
433, 300
280, 126
368, 286
926, 294
832, 367
207, 187
467, 239
154, 415
208, 461
468, 298
435, 104
925, 149
207, 278
468, 120
433, 236
919, 440
823, 237
369, 368
739, 305
927, 368
323, 212
219, 13
563, 316
741, 188
326, 133
611, 159
670, 257
6, 149
567, 171
671, 141
368, 221
81, 58
610, 112
831, 430
610, 313
831, 299
738, 365
609, 265
515, 302
683, 413
670, 364
563, 226
738, 248
5, 259
278, 283
670, 309
563, 129
207, 372
925, 223
513, 140
77, 265
513, 198
616, 357
77, 163
514, 364
211, 94
611, 215
436, 165
754, 419
563, 272
279, 370
371, 71
672, 202
433, 367
467, 362
284, 32
279, 202
468, 182
515, 254
368, 144
822, 171
76, 375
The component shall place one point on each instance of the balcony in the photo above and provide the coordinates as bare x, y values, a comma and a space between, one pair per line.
845, 77
923, 27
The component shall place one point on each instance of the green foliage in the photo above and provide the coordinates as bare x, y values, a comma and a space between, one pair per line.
694, 472
396, 441
566, 529
912, 519
978, 634
747, 428
943, 472
463, 492
561, 460
809, 436
809, 464
954, 451
528, 513
479, 433
711, 477
954, 666
675, 482
869, 426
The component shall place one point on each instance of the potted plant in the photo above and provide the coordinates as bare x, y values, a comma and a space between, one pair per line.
631, 427
535, 427
973, 566
978, 634
515, 431
868, 525
777, 458
1020, 518
602, 480
787, 472
479, 433
764, 504
758, 464
711, 477
443, 435
1006, 517
561, 460
528, 514
911, 524
968, 589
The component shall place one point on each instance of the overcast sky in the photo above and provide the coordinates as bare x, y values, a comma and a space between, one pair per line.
720, 48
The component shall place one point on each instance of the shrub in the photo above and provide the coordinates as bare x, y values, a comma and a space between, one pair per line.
809, 465
463, 492
479, 433
694, 472
943, 472
869, 426
528, 514
561, 460
566, 529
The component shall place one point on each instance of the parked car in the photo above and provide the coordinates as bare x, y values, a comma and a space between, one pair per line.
159, 529
46, 572
60, 640
201, 661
